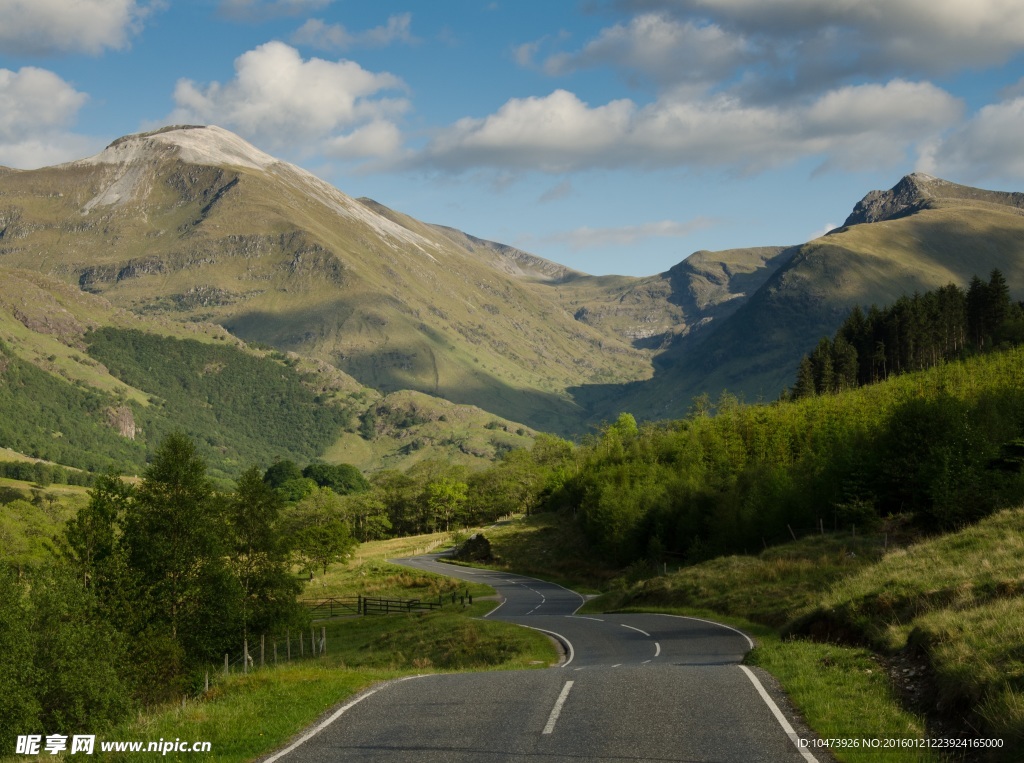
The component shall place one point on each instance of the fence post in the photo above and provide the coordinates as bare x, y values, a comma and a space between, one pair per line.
289, 635
323, 640
275, 653
312, 641
262, 645
206, 683
225, 663
245, 657
791, 532
302, 647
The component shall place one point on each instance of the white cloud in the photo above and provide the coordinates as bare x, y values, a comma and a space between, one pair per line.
554, 133
626, 235
38, 108
923, 35
990, 145
41, 27
279, 98
378, 139
855, 127
659, 47
318, 34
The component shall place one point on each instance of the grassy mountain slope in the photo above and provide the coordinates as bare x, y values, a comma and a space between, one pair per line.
193, 224
918, 242
197, 225
86, 384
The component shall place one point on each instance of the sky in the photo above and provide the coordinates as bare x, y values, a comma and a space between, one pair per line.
612, 136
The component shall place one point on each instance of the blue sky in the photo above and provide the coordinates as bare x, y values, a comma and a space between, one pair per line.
614, 136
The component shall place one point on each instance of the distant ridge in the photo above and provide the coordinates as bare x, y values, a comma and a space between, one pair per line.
193, 224
919, 191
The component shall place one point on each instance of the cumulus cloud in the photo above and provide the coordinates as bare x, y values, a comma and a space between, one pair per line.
554, 133
626, 235
989, 145
318, 34
38, 109
854, 126
42, 27
923, 36
279, 98
661, 48
379, 139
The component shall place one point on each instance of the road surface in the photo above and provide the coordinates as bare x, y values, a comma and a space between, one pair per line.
637, 687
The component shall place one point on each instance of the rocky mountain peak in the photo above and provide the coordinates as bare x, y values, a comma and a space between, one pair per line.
193, 144
919, 191
907, 196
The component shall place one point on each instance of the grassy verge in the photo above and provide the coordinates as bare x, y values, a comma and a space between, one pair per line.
550, 546
247, 716
369, 573
866, 638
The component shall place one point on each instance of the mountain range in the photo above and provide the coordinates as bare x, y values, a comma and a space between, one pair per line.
192, 229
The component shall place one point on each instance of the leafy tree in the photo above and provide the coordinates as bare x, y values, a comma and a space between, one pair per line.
259, 553
92, 534
19, 705
368, 514
444, 499
296, 490
320, 533
341, 478
281, 472
79, 656
174, 533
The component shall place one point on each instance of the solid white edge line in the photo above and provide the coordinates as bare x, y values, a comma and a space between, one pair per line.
702, 620
500, 605
565, 642
778, 715
557, 709
635, 629
334, 716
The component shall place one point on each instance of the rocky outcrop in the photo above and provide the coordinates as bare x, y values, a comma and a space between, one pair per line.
122, 420
906, 197
919, 191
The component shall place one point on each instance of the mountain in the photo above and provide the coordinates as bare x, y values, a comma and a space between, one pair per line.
193, 225
921, 234
89, 385
196, 224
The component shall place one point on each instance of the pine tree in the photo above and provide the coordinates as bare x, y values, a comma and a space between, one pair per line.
804, 386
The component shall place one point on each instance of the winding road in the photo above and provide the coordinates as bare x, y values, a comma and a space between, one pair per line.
636, 687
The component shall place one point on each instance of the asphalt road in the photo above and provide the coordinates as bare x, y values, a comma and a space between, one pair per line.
629, 688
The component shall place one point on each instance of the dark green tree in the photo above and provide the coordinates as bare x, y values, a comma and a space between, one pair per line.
91, 536
174, 535
281, 472
19, 705
341, 478
259, 554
